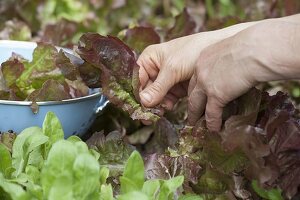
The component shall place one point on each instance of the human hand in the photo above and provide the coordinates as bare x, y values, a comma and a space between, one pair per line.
229, 68
166, 68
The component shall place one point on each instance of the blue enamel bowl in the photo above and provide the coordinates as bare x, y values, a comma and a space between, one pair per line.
76, 115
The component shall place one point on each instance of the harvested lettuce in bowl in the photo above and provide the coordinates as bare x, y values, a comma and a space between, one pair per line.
50, 76
36, 78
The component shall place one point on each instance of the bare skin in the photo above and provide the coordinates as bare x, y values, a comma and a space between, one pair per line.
219, 66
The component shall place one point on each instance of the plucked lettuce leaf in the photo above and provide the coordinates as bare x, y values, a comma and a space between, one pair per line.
119, 72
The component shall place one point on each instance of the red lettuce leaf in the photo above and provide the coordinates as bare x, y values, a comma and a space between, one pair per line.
90, 75
51, 90
40, 69
50, 76
281, 123
119, 72
60, 33
138, 38
184, 25
74, 68
68, 69
271, 144
164, 136
12, 70
162, 166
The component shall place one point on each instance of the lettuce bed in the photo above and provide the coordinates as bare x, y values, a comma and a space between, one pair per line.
255, 156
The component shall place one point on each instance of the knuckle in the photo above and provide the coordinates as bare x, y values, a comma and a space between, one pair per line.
210, 117
157, 87
151, 49
203, 76
191, 106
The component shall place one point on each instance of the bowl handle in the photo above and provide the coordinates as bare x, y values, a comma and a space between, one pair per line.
101, 104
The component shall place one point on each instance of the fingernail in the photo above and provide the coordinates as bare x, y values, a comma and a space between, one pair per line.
146, 96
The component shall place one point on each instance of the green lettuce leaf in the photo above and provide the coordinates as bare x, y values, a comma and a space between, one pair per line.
27, 149
10, 190
273, 194
169, 187
134, 176
5, 161
52, 128
40, 69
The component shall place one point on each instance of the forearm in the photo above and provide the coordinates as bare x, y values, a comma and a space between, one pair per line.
285, 50
221, 34
274, 49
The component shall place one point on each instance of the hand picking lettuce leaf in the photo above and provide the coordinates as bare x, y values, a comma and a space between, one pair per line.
119, 72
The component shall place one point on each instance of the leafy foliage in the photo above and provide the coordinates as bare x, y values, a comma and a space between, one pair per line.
43, 165
273, 194
119, 72
50, 76
259, 140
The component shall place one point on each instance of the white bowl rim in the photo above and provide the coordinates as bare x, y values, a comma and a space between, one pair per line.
26, 44
41, 103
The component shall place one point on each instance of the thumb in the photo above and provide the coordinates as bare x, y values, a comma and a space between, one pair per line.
154, 93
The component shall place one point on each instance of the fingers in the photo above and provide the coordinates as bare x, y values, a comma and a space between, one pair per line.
213, 114
198, 102
196, 105
192, 84
149, 62
144, 77
169, 101
154, 93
